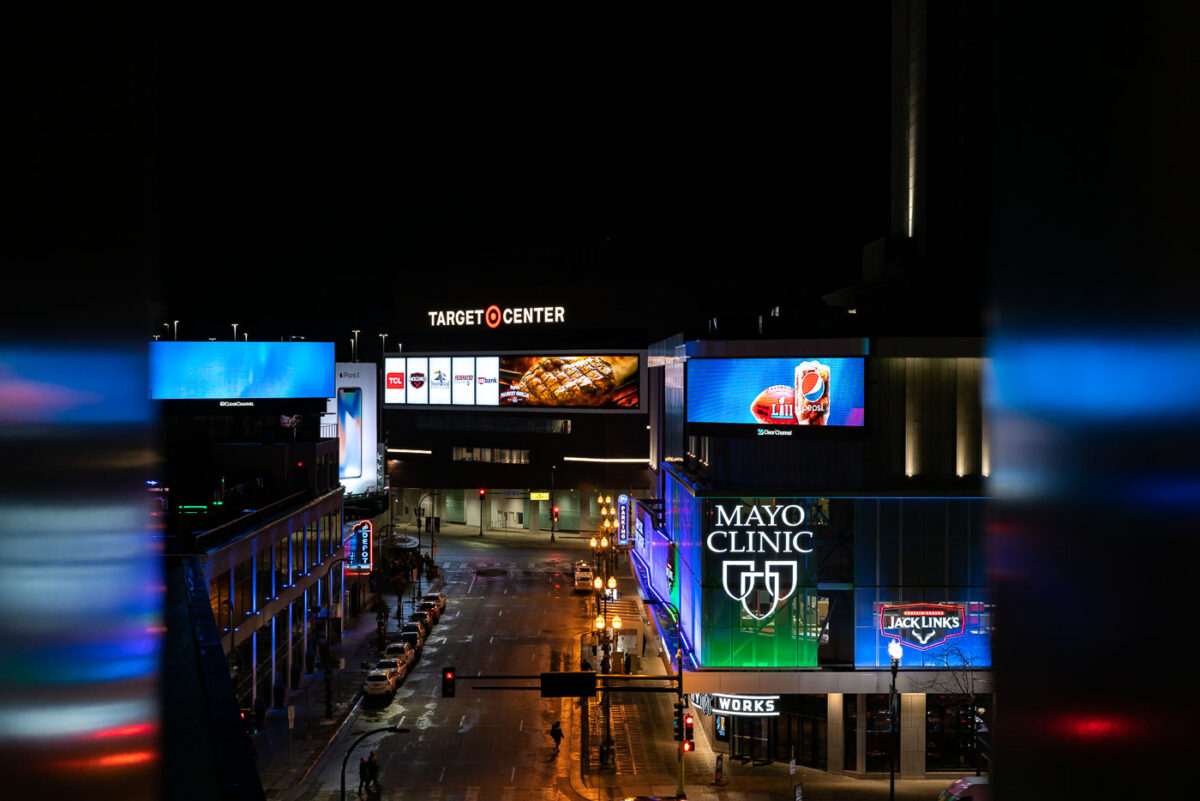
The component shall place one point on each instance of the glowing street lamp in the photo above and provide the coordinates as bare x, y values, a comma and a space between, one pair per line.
895, 652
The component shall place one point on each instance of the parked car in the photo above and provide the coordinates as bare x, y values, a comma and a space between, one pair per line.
394, 668
379, 682
415, 640
438, 598
415, 628
431, 607
400, 651
975, 788
422, 619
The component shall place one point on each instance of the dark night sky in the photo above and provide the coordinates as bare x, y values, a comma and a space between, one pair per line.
322, 176
312, 174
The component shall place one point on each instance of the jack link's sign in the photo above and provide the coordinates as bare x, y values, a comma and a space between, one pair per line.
758, 548
922, 626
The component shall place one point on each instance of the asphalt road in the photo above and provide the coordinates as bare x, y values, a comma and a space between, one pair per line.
511, 609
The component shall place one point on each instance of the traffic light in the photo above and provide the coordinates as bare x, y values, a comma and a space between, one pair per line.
679, 720
482, 492
554, 514
688, 746
688, 720
448, 682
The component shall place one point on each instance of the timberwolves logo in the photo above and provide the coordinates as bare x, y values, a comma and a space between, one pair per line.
759, 549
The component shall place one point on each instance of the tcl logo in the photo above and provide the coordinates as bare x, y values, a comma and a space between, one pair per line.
395, 380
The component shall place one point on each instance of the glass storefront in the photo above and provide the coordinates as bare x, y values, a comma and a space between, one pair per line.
953, 725
882, 738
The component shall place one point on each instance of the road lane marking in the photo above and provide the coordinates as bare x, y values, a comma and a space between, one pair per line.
443, 774
512, 777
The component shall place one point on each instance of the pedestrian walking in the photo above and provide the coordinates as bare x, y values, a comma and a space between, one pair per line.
373, 771
364, 773
556, 735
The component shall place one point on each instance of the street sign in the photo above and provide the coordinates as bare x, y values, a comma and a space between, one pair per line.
569, 685
539, 496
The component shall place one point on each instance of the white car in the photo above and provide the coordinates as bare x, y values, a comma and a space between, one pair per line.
400, 651
394, 668
583, 578
379, 682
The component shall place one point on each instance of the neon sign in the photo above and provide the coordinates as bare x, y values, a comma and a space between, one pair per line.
760, 583
922, 626
623, 520
746, 706
358, 548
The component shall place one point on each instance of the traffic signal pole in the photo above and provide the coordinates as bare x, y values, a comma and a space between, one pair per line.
679, 675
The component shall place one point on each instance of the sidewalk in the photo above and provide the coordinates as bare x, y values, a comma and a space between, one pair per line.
742, 782
285, 756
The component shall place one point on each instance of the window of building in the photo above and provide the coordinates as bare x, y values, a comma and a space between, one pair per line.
882, 742
490, 455
953, 726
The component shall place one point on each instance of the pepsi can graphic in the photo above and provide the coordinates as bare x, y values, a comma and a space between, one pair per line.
812, 394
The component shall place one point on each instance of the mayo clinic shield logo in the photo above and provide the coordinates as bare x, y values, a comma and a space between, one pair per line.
922, 626
760, 591
760, 550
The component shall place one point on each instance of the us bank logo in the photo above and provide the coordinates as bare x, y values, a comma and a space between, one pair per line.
759, 549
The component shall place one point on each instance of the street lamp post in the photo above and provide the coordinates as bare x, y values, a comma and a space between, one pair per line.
362, 737
895, 652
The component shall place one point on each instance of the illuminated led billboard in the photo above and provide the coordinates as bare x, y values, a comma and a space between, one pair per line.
610, 382
241, 370
356, 410
776, 396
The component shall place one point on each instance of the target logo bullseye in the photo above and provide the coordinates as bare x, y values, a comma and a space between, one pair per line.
492, 316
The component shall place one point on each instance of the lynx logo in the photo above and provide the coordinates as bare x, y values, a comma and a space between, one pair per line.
922, 626
773, 576
768, 541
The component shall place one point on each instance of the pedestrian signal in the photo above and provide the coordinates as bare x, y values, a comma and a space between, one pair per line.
688, 746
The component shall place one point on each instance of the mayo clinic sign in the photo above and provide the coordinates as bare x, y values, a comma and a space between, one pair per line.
757, 549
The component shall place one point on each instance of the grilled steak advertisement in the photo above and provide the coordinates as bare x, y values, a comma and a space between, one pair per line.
609, 382
570, 381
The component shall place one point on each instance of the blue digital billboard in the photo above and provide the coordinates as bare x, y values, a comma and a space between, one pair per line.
241, 370
803, 391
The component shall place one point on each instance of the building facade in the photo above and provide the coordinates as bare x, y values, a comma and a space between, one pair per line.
809, 521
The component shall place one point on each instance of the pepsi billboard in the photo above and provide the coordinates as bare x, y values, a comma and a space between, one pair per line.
777, 396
